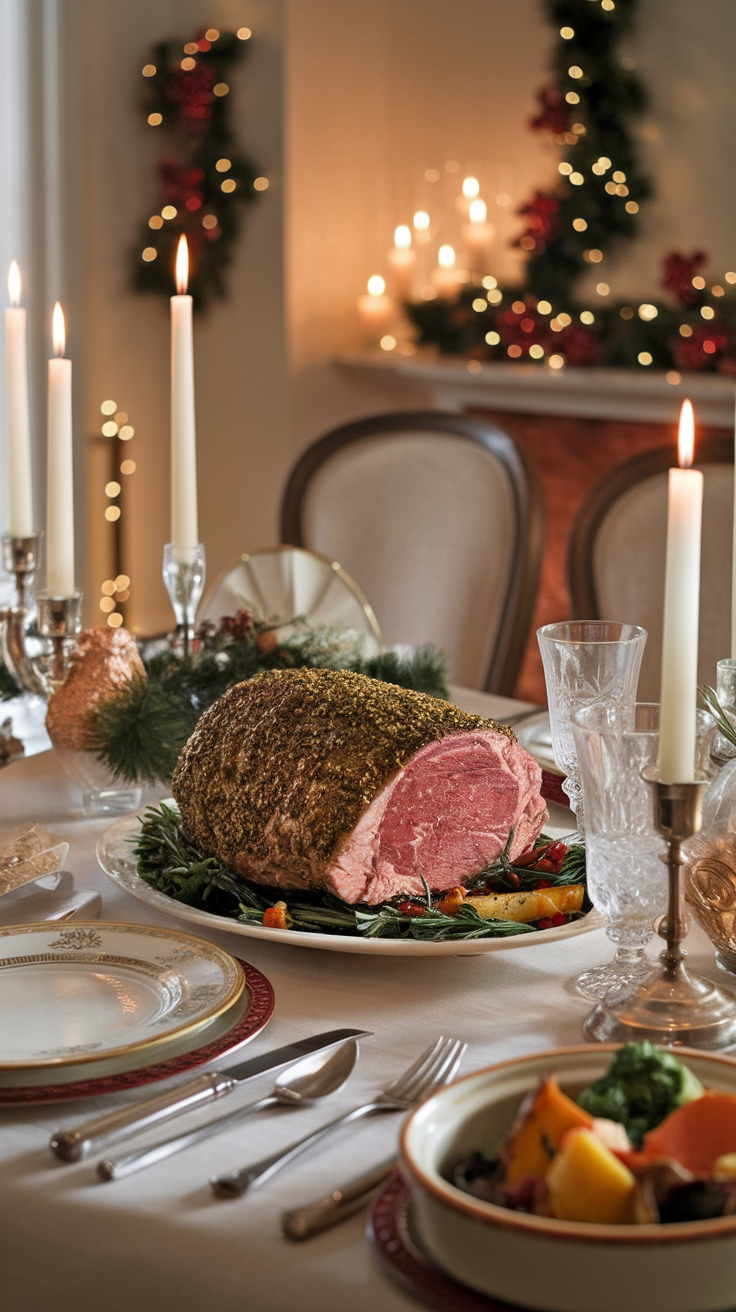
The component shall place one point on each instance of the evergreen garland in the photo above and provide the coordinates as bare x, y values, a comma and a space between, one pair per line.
588, 109
189, 98
140, 733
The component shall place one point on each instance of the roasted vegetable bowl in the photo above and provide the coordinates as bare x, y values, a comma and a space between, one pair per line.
548, 1261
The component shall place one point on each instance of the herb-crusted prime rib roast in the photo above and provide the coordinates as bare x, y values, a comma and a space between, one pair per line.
325, 779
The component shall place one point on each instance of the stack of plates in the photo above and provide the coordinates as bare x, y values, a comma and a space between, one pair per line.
84, 1005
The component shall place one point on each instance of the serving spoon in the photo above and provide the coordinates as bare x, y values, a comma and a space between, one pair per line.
312, 1078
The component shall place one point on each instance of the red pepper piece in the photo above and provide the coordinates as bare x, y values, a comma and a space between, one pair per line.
552, 922
411, 908
530, 857
557, 853
548, 866
544, 883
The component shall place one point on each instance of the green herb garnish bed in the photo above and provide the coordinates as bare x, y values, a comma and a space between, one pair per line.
169, 861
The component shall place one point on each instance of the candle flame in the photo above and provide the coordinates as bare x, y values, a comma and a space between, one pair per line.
58, 330
686, 436
14, 283
402, 236
446, 257
477, 211
182, 265
376, 285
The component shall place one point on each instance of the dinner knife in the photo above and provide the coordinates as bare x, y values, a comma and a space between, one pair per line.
73, 1145
303, 1222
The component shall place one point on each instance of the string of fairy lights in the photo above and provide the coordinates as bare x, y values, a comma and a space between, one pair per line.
116, 426
204, 179
566, 231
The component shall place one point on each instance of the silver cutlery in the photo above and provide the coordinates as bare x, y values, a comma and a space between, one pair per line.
314, 1077
72, 1145
435, 1068
302, 1222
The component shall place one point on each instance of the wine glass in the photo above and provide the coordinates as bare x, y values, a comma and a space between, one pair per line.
587, 661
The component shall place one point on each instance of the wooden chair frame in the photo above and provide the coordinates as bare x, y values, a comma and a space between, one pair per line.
710, 450
526, 490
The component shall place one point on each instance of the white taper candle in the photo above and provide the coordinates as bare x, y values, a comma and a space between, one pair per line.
681, 613
60, 484
20, 494
184, 526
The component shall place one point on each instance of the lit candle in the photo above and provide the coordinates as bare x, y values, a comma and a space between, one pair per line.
681, 609
422, 227
376, 310
60, 482
444, 276
478, 236
20, 497
402, 260
184, 526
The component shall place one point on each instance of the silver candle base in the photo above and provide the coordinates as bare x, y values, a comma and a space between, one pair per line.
673, 1006
20, 558
184, 574
59, 622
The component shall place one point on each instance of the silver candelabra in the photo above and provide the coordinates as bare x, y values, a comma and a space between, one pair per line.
38, 632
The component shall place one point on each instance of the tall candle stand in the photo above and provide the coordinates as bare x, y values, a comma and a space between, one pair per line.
673, 1006
37, 662
184, 575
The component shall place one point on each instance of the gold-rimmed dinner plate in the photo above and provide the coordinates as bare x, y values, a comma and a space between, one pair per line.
77, 999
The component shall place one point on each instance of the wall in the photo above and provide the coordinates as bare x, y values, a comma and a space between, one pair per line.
379, 92
241, 385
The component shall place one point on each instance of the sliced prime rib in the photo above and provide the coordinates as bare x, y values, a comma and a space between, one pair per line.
325, 779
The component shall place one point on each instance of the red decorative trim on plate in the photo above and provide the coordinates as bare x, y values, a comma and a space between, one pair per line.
255, 1019
388, 1229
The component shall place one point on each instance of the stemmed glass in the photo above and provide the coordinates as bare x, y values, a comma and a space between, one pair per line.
587, 661
624, 850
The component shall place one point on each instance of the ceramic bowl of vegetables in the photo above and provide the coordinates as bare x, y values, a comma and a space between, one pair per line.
588, 1179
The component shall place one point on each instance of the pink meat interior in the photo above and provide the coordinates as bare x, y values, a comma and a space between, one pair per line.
446, 816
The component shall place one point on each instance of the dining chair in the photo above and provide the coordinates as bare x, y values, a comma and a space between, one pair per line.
616, 553
439, 519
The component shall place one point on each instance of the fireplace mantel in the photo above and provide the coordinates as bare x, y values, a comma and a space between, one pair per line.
628, 394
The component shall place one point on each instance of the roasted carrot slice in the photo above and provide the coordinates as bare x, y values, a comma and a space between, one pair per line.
696, 1134
540, 1127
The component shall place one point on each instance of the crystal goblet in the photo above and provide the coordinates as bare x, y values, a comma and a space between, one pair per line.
623, 847
587, 661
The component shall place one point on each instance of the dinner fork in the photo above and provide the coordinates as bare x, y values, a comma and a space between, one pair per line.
435, 1068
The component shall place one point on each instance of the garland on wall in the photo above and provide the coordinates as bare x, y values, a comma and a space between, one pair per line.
588, 108
205, 181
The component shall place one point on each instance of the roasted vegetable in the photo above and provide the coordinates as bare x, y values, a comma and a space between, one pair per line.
586, 1182
697, 1134
543, 1120
640, 1089
525, 908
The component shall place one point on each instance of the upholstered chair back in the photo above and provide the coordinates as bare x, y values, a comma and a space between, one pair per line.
438, 519
617, 554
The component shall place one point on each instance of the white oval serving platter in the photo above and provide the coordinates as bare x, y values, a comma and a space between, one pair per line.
115, 855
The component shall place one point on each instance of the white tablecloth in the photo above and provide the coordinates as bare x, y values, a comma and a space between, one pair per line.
160, 1240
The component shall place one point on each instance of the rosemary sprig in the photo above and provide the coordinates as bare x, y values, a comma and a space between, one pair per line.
708, 701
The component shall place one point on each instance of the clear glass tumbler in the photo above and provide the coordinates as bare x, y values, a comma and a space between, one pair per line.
587, 661
627, 879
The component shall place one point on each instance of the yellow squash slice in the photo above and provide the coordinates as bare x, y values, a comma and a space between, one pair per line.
526, 907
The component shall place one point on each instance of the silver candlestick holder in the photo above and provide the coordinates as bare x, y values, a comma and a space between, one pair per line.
38, 661
673, 1006
184, 574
